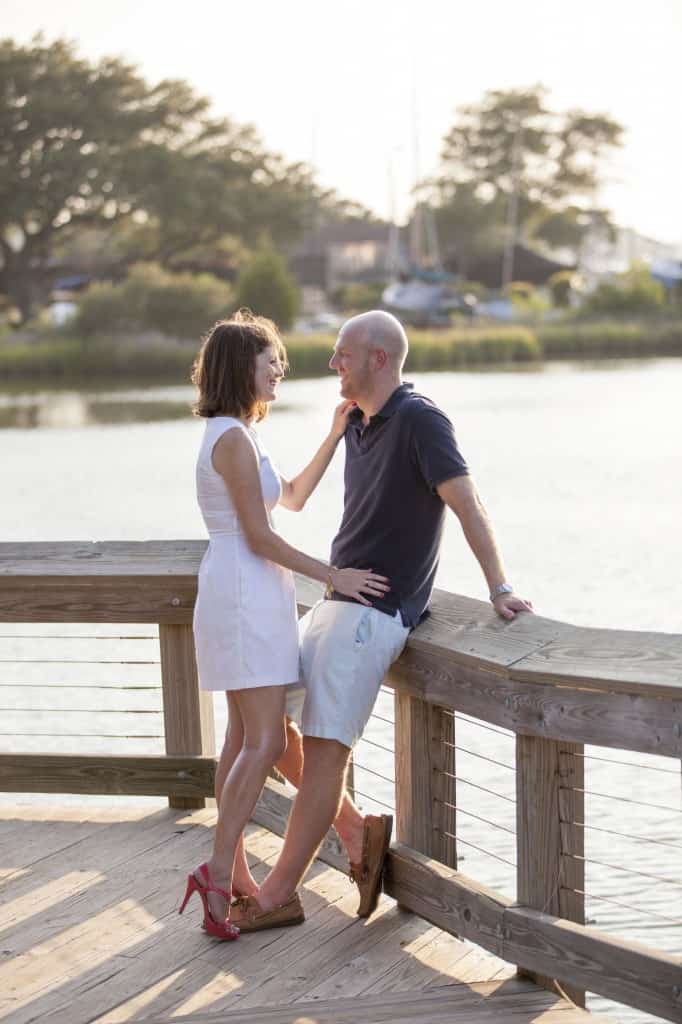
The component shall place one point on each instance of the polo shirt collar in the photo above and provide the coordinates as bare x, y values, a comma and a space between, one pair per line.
395, 399
391, 405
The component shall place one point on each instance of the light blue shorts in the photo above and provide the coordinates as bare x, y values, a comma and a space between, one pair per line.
346, 651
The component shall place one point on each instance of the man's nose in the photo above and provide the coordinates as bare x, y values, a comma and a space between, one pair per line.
332, 362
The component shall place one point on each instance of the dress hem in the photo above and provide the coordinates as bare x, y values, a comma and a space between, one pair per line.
248, 686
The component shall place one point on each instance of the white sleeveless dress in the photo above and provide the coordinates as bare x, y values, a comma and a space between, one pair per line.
245, 619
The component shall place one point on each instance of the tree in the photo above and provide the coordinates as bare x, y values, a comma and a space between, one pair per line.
72, 135
92, 145
469, 226
150, 298
511, 150
266, 287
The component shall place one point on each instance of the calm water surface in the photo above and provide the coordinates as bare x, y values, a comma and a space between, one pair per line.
581, 469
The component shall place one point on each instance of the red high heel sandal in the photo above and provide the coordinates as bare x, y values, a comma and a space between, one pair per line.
218, 929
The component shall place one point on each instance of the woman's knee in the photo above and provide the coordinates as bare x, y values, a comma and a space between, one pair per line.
267, 744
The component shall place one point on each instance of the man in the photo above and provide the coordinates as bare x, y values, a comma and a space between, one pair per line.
403, 467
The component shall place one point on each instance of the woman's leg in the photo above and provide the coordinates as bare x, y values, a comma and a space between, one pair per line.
261, 711
234, 738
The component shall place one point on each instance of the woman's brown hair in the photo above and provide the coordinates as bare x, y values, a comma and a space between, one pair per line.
224, 370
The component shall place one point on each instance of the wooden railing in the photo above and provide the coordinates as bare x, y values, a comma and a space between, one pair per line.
555, 686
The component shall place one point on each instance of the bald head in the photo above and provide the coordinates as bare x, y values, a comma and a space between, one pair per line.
378, 330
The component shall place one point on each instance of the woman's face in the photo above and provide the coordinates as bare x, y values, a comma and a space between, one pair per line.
268, 374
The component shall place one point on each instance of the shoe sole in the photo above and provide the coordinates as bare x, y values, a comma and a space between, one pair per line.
388, 828
245, 930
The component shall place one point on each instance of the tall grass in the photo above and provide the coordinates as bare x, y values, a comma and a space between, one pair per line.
58, 354
595, 340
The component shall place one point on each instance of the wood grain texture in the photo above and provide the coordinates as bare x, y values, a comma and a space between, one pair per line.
444, 784
414, 796
91, 933
466, 1005
539, 942
448, 899
187, 710
107, 774
124, 599
648, 724
544, 770
424, 752
83, 559
640, 977
460, 629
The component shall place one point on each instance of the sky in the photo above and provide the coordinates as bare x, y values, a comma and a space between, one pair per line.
366, 90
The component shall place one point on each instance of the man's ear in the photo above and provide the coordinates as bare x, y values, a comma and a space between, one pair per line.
380, 358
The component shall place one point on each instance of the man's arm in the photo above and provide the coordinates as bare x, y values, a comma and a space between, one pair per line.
460, 494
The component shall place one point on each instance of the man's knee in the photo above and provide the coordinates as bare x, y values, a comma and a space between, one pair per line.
322, 755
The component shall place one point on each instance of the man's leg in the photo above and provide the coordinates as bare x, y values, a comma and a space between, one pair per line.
349, 822
317, 805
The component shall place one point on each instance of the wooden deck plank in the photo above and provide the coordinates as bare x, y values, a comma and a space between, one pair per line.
25, 839
213, 976
461, 1003
164, 969
436, 955
91, 933
358, 971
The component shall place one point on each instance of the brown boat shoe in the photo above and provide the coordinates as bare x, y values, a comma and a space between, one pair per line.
247, 914
368, 874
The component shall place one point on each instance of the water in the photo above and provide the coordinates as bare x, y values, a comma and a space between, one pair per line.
580, 468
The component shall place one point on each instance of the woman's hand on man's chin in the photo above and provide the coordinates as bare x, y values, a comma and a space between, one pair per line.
340, 419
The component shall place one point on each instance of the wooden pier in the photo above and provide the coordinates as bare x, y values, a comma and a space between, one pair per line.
89, 925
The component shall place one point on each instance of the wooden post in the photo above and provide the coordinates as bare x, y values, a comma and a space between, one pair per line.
445, 786
187, 711
546, 807
420, 787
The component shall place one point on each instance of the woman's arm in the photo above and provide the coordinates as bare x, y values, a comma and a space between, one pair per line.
234, 457
296, 492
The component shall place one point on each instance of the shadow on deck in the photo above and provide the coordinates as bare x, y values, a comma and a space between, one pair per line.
89, 931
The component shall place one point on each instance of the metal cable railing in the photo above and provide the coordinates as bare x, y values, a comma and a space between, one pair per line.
622, 835
104, 707
622, 799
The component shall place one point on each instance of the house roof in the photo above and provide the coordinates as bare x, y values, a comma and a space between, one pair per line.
528, 266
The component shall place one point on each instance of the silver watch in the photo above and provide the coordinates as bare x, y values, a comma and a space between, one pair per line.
501, 588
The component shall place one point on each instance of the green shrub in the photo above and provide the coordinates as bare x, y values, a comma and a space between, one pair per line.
178, 305
267, 288
633, 292
104, 309
309, 354
561, 288
359, 295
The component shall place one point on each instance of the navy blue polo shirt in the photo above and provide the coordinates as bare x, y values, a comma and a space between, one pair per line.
393, 517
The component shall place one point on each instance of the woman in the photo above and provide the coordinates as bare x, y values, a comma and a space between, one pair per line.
245, 620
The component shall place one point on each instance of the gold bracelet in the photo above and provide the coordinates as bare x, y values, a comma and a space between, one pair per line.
329, 586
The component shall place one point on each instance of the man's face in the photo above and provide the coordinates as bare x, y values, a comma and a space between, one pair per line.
351, 360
